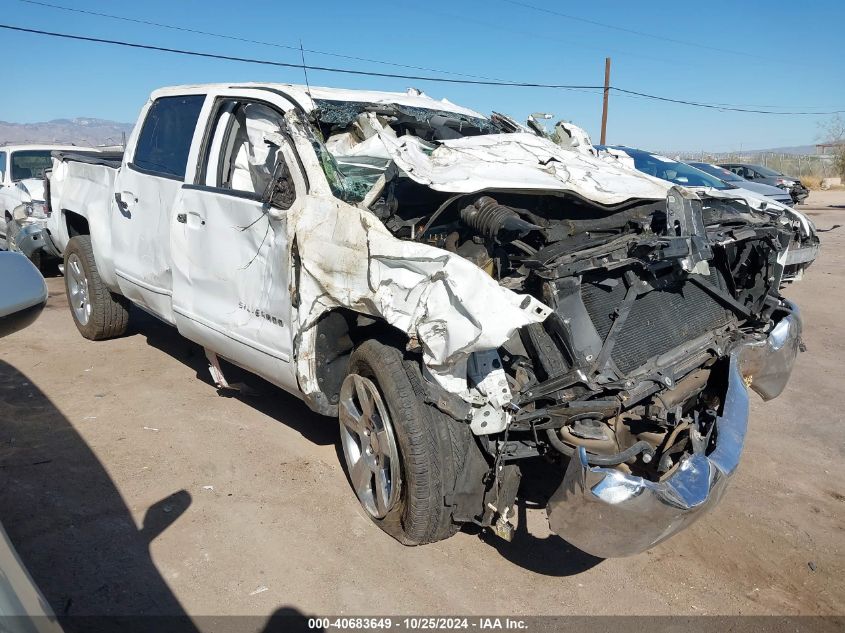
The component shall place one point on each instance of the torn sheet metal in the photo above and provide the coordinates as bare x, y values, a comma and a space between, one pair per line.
570, 136
449, 306
485, 370
518, 161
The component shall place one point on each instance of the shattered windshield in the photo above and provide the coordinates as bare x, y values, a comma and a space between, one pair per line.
351, 151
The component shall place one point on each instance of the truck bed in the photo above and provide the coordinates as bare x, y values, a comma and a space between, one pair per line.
81, 183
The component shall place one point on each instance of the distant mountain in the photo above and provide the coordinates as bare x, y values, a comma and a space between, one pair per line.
795, 149
81, 131
748, 155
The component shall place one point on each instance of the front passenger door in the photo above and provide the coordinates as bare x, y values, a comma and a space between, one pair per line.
230, 247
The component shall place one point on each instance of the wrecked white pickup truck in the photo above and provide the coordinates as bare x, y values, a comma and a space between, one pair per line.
460, 298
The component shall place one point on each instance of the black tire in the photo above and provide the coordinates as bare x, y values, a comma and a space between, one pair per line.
109, 315
432, 446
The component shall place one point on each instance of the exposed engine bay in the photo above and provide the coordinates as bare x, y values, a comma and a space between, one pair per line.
651, 301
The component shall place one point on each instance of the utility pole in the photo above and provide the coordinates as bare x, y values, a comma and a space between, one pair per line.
604, 105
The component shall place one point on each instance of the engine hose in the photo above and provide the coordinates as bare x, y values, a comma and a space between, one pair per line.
490, 218
602, 460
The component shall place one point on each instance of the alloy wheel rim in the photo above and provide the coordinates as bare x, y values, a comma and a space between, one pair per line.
78, 290
369, 445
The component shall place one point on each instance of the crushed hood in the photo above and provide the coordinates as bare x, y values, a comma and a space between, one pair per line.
517, 161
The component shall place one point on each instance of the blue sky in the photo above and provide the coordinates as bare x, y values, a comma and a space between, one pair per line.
772, 53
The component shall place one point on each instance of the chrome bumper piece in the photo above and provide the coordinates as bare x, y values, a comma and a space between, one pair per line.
801, 255
767, 365
608, 513
33, 237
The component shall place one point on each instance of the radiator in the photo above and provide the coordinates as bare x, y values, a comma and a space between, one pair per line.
659, 321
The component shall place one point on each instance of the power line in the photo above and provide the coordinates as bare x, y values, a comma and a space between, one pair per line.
265, 62
378, 61
236, 38
623, 29
366, 73
716, 106
263, 43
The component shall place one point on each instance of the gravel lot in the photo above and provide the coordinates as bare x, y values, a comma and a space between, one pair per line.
248, 510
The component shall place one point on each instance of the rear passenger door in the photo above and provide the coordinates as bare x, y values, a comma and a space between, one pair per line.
145, 190
231, 267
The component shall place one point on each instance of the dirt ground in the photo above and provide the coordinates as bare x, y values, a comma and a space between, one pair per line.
128, 485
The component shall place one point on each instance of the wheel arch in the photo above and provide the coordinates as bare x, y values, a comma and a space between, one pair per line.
331, 341
76, 223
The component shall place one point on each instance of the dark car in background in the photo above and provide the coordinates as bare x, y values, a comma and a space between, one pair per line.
766, 176
775, 193
804, 246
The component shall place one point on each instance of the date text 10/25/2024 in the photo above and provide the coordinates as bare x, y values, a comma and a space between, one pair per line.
418, 623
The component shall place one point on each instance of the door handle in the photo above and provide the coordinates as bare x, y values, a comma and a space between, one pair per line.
123, 205
183, 217
198, 217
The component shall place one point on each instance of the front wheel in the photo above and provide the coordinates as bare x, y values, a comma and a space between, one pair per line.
402, 455
97, 312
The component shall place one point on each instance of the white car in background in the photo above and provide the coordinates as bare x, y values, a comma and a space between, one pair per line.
23, 211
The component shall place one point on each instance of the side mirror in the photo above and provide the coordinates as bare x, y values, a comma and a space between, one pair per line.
23, 292
162, 514
280, 192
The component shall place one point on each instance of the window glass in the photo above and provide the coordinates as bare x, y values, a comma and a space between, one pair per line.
165, 138
674, 171
765, 172
246, 144
720, 172
2, 165
30, 163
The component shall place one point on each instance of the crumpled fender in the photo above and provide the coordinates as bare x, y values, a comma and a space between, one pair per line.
452, 308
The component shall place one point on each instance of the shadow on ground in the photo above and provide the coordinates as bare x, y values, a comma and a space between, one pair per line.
263, 396
67, 519
549, 556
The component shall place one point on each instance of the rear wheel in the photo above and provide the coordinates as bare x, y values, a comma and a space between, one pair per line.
403, 456
97, 312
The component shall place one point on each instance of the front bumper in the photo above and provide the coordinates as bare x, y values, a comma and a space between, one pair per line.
33, 237
799, 193
801, 255
766, 365
608, 513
